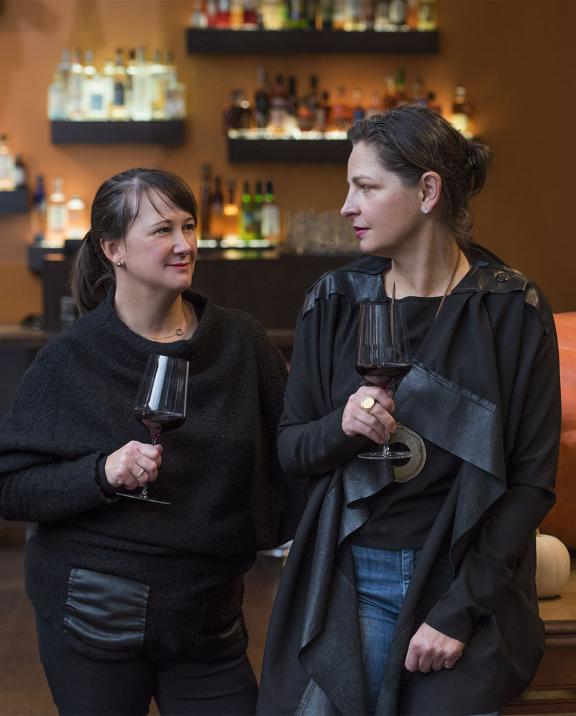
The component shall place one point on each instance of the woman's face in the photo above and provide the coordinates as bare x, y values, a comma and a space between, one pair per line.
160, 247
384, 212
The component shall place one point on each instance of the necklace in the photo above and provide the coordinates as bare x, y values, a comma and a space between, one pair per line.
446, 290
179, 332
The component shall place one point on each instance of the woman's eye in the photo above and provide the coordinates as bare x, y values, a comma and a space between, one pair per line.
162, 230
364, 188
189, 227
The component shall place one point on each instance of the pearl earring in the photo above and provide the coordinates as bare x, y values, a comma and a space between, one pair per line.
121, 263
425, 209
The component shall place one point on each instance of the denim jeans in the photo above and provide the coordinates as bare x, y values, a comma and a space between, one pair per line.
382, 579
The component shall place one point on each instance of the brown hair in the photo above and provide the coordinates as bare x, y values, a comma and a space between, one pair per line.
114, 209
412, 140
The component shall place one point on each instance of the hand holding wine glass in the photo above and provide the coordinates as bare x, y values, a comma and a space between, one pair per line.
383, 357
161, 403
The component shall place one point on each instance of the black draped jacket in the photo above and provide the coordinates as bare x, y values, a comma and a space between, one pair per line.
485, 387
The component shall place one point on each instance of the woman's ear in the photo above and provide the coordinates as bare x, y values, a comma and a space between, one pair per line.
430, 191
114, 251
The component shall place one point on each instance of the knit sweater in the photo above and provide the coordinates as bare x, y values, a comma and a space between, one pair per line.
219, 472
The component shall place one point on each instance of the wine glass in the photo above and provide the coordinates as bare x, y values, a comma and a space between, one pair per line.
383, 356
161, 403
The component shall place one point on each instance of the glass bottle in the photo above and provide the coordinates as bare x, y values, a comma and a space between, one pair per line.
141, 88
257, 204
97, 93
39, 210
358, 111
216, 209
341, 114
427, 17
7, 178
198, 19
57, 89
382, 16
205, 193
76, 223
158, 86
308, 110
250, 15
20, 172
262, 100
270, 217
57, 214
461, 111
236, 14
246, 215
273, 14
278, 105
230, 217
397, 13
290, 120
119, 108
75, 89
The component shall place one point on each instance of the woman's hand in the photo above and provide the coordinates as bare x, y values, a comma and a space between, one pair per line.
133, 465
430, 649
376, 423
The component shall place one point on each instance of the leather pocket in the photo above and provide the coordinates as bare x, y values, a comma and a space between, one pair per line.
105, 611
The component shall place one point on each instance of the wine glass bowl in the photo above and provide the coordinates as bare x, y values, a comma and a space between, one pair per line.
160, 403
383, 355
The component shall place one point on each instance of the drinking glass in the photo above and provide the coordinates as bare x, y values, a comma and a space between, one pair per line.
161, 403
383, 356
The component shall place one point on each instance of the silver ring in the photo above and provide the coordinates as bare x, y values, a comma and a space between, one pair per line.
139, 475
367, 403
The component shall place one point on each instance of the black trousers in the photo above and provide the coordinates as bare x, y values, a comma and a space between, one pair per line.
82, 686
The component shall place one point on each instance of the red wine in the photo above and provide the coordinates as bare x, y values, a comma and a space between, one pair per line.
385, 373
159, 420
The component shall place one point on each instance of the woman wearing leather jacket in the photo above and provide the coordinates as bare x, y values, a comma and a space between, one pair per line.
409, 588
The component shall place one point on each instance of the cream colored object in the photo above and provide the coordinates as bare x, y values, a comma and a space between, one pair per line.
552, 566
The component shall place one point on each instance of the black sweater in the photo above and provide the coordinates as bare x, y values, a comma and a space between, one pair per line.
219, 469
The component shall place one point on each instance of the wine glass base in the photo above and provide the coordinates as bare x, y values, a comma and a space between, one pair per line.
143, 499
391, 455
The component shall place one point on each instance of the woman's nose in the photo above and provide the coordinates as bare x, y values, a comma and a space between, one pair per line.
181, 243
348, 209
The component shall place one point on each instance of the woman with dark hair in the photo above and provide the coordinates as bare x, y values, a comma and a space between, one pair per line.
139, 600
409, 588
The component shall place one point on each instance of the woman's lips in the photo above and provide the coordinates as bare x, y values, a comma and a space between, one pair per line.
360, 231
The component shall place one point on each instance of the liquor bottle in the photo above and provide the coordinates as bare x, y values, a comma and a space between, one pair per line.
141, 109
401, 94
339, 15
119, 105
427, 15
211, 12
419, 96
205, 186
341, 114
324, 112
7, 179
246, 215
75, 89
374, 106
312, 15
230, 217
175, 107
278, 105
262, 100
270, 217
216, 209
412, 14
308, 109
57, 214
296, 15
57, 89
257, 204
236, 14
76, 221
39, 209
358, 111
397, 13
97, 92
130, 70
20, 173
222, 20
326, 14
250, 15
382, 16
352, 17
291, 119
461, 111
158, 78
273, 13
238, 113
198, 19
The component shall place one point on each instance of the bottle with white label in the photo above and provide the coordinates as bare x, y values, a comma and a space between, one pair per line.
141, 88
57, 214
7, 173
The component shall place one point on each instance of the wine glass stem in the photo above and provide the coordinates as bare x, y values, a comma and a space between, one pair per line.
144, 491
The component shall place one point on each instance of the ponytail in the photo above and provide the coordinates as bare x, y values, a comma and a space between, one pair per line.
92, 275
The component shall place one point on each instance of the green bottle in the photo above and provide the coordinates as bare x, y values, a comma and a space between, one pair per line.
257, 204
246, 215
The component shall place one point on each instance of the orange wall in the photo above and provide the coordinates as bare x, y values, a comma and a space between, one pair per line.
514, 56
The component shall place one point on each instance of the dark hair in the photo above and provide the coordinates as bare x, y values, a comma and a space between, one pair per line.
411, 140
114, 209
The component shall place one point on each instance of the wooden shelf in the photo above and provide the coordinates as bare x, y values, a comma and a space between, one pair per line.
317, 151
14, 202
228, 42
168, 132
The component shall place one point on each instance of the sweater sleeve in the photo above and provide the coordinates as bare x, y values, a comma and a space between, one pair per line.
507, 529
42, 478
311, 441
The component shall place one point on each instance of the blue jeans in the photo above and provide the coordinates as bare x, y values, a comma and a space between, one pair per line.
382, 579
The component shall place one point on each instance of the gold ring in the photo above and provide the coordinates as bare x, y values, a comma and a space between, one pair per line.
367, 403
139, 475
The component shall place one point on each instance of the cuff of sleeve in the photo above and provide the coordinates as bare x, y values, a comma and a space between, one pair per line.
450, 620
106, 488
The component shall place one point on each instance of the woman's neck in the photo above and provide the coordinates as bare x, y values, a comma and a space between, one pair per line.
166, 320
429, 270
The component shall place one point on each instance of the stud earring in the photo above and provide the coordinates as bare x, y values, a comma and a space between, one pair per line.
121, 263
425, 209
